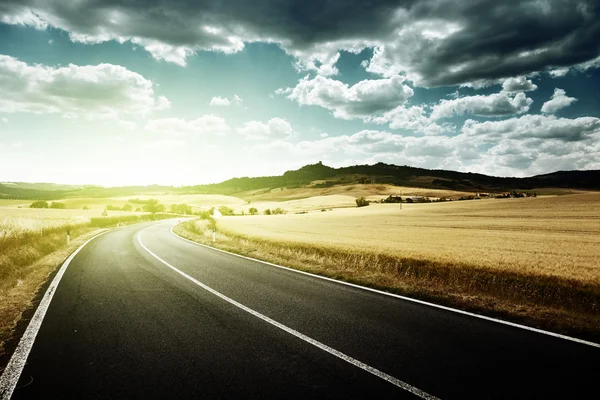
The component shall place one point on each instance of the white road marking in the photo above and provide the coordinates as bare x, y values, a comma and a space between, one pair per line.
15, 366
499, 321
299, 335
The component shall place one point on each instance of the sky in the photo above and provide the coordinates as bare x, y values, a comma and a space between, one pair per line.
139, 92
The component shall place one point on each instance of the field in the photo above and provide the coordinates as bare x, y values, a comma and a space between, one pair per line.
531, 260
558, 236
370, 191
198, 201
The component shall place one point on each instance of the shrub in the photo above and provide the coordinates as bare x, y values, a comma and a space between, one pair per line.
252, 211
278, 211
362, 202
138, 210
127, 207
112, 208
39, 204
392, 199
57, 204
181, 209
224, 210
268, 211
152, 206
85, 208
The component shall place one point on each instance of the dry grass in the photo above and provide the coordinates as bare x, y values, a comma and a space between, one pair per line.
370, 191
531, 260
30, 249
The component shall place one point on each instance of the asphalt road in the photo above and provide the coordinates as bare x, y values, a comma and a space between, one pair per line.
123, 324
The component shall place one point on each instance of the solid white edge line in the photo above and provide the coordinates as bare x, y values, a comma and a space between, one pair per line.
332, 351
12, 372
470, 314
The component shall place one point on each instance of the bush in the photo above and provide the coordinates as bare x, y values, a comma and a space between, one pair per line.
362, 202
278, 211
224, 210
268, 211
85, 208
57, 204
138, 210
252, 211
127, 207
152, 206
392, 199
39, 204
112, 208
181, 209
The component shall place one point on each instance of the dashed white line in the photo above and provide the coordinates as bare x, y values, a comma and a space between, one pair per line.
12, 373
332, 351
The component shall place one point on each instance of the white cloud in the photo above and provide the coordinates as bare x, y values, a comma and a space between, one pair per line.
275, 128
493, 105
518, 84
205, 125
412, 119
534, 126
4, 119
224, 101
161, 145
558, 101
361, 100
95, 91
559, 72
50, 42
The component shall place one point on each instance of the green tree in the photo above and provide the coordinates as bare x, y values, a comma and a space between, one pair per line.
127, 207
153, 206
268, 211
224, 210
57, 204
252, 211
39, 204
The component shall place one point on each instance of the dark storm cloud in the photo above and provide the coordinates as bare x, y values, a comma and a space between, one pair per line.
433, 42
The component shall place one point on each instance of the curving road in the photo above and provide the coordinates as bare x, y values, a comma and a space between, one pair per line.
141, 313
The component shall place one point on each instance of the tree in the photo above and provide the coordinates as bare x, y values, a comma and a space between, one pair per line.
57, 204
39, 204
181, 209
252, 211
127, 207
362, 202
268, 211
224, 210
153, 206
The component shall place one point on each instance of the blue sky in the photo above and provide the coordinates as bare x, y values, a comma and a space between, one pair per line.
119, 93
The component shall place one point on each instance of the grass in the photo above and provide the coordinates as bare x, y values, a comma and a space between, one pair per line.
535, 261
370, 191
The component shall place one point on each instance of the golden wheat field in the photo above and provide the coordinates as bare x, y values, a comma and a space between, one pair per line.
370, 191
550, 236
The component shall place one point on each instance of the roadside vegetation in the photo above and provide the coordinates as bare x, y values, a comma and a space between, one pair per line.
533, 260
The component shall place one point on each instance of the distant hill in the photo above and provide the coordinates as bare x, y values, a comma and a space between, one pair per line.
319, 175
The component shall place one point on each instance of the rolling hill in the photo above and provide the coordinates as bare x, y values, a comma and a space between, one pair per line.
322, 176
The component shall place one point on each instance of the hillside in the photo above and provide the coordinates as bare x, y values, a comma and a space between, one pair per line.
322, 176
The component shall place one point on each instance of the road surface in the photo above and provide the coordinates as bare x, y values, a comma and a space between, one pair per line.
141, 313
